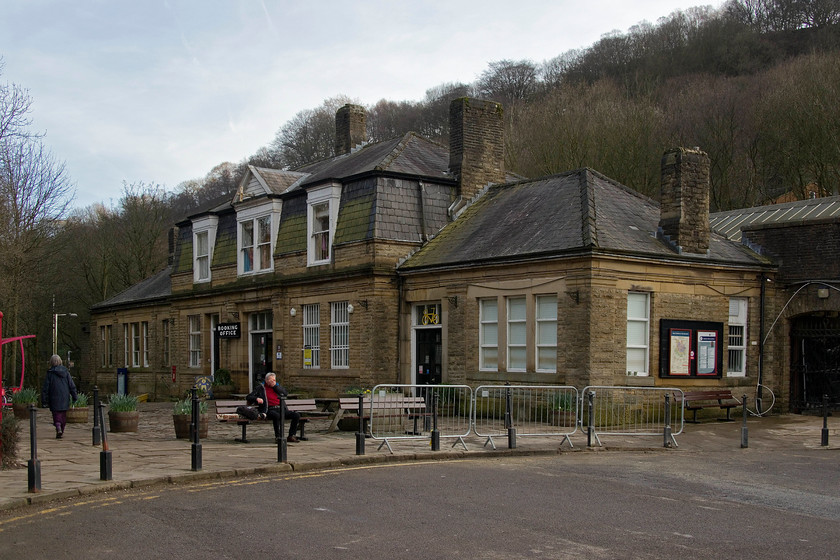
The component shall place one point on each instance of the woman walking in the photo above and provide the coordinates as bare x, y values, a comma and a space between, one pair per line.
56, 394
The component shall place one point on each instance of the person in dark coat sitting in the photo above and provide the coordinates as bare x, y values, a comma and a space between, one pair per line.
56, 393
266, 397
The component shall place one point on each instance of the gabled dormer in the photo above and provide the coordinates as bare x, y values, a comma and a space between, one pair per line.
258, 206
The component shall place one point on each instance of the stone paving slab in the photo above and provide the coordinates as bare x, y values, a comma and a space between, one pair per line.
152, 455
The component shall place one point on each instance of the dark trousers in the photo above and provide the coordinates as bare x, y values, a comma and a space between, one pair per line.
60, 420
292, 417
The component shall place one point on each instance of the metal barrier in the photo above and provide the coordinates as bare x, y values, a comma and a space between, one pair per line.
526, 410
420, 411
632, 411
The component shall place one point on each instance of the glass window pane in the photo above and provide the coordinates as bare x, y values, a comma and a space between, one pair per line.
491, 334
516, 309
637, 306
489, 310
547, 358
636, 359
490, 358
636, 333
516, 358
547, 307
547, 334
516, 334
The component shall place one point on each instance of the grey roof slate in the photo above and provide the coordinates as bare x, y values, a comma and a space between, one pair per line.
411, 154
731, 222
569, 213
155, 287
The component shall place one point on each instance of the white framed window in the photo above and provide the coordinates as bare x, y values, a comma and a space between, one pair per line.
144, 329
339, 335
103, 346
488, 334
126, 345
517, 333
322, 214
202, 257
638, 333
195, 340
311, 336
546, 350
737, 348
255, 238
204, 238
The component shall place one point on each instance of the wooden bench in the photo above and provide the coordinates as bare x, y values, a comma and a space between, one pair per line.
389, 405
226, 412
707, 398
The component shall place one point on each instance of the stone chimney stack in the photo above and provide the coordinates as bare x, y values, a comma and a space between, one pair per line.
684, 199
350, 128
476, 144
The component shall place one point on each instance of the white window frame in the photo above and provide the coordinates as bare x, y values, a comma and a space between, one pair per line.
203, 228
311, 334
126, 344
329, 195
144, 332
737, 337
339, 335
194, 322
104, 346
515, 324
488, 334
643, 321
253, 217
546, 333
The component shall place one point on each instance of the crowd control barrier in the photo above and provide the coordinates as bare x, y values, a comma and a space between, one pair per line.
632, 411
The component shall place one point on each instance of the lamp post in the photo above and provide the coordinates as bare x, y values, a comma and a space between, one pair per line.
55, 328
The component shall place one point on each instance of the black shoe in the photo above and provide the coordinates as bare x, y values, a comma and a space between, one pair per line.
262, 416
59, 435
292, 439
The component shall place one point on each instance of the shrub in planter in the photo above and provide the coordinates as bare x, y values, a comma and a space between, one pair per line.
78, 411
21, 401
122, 413
182, 417
9, 435
222, 384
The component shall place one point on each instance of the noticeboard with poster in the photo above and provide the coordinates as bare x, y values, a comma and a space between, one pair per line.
690, 348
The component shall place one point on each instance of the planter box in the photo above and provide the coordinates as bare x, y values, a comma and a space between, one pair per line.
123, 421
21, 410
77, 415
182, 425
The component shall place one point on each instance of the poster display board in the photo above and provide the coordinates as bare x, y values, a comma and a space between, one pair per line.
690, 348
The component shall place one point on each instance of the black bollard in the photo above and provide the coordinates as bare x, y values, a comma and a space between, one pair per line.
667, 431
824, 435
360, 434
282, 447
195, 454
105, 459
97, 434
33, 466
509, 419
744, 433
435, 432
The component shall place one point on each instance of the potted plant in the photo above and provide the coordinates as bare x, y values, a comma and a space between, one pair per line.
564, 410
122, 413
222, 384
78, 411
21, 401
182, 417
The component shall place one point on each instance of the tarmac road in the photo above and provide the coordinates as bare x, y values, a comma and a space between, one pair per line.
633, 504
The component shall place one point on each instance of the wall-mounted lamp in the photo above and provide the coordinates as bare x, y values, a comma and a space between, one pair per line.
453, 301
822, 293
292, 311
349, 308
363, 303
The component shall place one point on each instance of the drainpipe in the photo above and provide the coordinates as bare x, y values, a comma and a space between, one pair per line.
421, 192
762, 298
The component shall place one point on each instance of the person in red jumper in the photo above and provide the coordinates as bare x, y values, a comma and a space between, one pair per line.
266, 397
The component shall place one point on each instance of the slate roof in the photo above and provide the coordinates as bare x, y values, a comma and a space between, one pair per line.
155, 287
731, 222
574, 212
409, 154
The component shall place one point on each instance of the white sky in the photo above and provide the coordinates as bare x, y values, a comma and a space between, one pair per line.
161, 91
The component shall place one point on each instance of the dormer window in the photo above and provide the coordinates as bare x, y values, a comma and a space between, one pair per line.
204, 239
322, 214
255, 245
